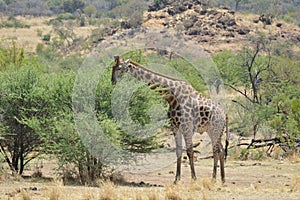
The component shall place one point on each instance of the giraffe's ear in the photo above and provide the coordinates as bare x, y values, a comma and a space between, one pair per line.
117, 58
127, 61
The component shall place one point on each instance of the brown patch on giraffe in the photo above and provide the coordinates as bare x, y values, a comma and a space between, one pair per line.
207, 113
147, 76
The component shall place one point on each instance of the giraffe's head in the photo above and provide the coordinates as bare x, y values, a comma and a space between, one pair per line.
119, 69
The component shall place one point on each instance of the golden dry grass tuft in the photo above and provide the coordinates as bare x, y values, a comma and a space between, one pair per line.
107, 191
295, 185
208, 184
25, 195
205, 196
194, 186
151, 195
173, 192
54, 194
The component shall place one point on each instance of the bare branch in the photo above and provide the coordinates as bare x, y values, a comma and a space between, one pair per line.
244, 94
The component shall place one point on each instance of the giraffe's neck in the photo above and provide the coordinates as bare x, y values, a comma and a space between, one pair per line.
175, 91
152, 78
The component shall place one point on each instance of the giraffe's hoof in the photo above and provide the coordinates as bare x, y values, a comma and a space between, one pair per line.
176, 181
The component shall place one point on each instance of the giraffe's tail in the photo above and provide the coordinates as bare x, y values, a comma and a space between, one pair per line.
227, 137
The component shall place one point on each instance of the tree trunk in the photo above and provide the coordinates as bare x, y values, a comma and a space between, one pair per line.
7, 160
81, 174
21, 157
237, 2
15, 156
255, 129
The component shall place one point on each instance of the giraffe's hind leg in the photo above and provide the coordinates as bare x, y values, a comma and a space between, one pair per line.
222, 158
216, 158
218, 154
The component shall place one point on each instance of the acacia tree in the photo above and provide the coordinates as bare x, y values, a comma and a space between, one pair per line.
237, 3
264, 77
250, 70
20, 99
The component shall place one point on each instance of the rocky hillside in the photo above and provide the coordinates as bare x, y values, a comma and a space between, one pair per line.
218, 29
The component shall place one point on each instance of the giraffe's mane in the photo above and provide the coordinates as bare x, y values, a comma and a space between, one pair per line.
155, 73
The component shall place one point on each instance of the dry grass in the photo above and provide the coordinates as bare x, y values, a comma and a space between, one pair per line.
25, 195
208, 184
54, 194
29, 38
173, 192
108, 191
295, 185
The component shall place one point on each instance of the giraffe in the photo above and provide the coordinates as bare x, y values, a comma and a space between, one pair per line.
189, 111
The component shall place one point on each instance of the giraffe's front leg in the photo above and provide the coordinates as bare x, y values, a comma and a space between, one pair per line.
190, 153
178, 169
178, 140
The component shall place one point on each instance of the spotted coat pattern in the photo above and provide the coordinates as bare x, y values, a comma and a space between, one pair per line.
189, 112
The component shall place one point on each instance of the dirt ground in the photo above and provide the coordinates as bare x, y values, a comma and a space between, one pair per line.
267, 179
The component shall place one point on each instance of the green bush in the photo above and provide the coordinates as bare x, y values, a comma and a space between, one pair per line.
46, 37
12, 56
12, 22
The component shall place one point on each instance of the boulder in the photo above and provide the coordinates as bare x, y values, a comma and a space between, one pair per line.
153, 7
243, 31
226, 21
266, 19
125, 25
193, 31
171, 11
188, 24
203, 12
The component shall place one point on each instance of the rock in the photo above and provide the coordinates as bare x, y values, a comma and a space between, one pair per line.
213, 12
204, 39
188, 24
225, 8
206, 32
203, 12
243, 31
227, 21
181, 8
33, 188
171, 11
266, 19
232, 12
193, 31
142, 183
125, 25
218, 16
256, 21
188, 4
197, 10
229, 34
153, 7
220, 26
